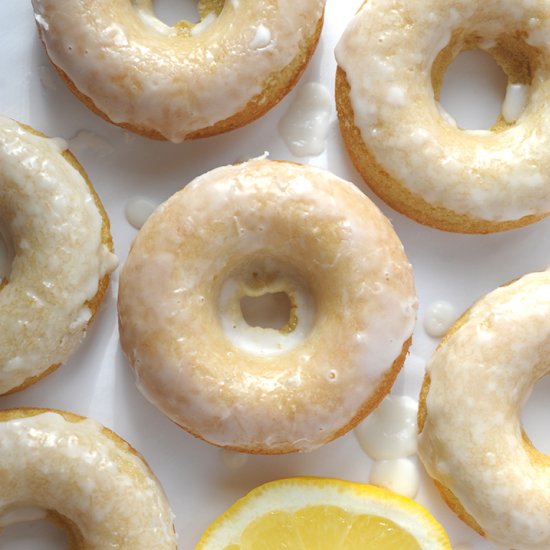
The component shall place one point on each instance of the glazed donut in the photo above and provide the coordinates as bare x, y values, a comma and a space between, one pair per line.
391, 62
59, 231
471, 439
266, 227
185, 81
82, 476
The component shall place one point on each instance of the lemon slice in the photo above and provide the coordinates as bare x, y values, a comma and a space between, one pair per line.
324, 514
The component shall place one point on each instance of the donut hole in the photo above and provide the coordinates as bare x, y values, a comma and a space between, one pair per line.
534, 413
270, 310
174, 11
484, 83
187, 14
34, 535
266, 307
473, 90
7, 255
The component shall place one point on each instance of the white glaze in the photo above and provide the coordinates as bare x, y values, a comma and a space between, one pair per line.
399, 475
491, 175
514, 101
439, 317
84, 140
203, 24
232, 460
297, 227
306, 124
471, 441
145, 11
390, 431
47, 78
445, 116
61, 144
55, 227
138, 210
173, 84
262, 39
463, 546
74, 469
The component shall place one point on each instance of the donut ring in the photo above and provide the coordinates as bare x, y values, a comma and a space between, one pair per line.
248, 230
83, 477
179, 82
63, 256
471, 440
392, 58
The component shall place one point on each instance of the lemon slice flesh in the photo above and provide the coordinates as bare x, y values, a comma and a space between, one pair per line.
324, 514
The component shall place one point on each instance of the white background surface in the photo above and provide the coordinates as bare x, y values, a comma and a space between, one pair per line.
97, 381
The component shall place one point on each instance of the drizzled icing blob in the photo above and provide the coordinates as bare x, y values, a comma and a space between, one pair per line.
390, 431
399, 475
138, 210
514, 101
439, 317
306, 124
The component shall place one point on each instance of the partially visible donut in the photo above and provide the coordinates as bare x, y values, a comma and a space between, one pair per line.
391, 61
257, 228
60, 234
471, 439
83, 477
180, 82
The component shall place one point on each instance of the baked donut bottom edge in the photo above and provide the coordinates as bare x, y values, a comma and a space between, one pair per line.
384, 387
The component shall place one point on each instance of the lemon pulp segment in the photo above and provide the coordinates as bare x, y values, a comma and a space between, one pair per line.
323, 528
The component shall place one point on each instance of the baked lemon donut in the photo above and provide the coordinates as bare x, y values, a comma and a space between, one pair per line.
70, 470
258, 228
184, 81
392, 58
59, 232
471, 439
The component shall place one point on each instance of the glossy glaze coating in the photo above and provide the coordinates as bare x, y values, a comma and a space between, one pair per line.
78, 473
484, 179
247, 230
172, 81
62, 254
